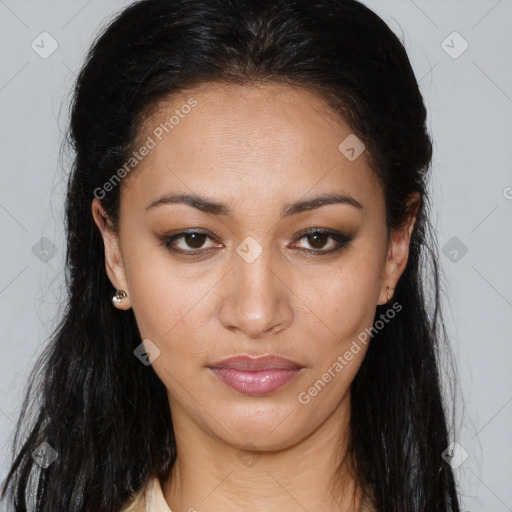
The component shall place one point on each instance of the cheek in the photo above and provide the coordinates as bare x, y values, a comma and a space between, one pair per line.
162, 314
343, 301
168, 311
159, 297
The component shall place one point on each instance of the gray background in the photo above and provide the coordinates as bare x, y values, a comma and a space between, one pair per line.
469, 99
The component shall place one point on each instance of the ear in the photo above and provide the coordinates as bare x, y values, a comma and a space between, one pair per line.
113, 258
398, 251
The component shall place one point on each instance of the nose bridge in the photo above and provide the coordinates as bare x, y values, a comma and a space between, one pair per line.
255, 277
257, 300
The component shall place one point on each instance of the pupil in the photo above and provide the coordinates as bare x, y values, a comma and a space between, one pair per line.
197, 238
315, 236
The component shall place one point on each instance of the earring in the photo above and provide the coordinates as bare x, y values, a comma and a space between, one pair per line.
118, 297
389, 288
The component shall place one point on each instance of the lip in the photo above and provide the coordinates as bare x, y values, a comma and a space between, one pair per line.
256, 375
250, 363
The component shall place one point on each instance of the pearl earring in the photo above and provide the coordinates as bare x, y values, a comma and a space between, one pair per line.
118, 297
389, 288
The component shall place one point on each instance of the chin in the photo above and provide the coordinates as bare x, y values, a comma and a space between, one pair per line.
266, 429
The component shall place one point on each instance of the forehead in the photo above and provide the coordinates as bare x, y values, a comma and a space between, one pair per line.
269, 140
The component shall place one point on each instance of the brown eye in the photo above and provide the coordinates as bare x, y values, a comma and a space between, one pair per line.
188, 242
191, 243
318, 240
194, 240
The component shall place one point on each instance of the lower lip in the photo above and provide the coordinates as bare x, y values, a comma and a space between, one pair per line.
260, 382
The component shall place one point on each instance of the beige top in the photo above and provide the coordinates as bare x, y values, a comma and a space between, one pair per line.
151, 499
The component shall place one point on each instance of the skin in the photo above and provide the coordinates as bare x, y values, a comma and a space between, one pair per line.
256, 149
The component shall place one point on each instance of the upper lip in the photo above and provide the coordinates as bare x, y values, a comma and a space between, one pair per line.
266, 362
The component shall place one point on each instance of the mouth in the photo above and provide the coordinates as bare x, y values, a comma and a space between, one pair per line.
256, 376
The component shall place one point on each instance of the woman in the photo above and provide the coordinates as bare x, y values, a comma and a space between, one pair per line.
247, 221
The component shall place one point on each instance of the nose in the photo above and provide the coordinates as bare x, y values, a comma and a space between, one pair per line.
256, 301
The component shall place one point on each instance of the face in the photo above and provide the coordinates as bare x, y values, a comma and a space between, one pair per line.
254, 261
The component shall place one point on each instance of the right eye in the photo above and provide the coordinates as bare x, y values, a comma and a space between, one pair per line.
191, 242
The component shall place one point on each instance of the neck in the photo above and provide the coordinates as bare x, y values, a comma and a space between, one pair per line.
210, 474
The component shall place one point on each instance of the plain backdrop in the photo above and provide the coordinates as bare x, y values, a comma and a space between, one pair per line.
460, 52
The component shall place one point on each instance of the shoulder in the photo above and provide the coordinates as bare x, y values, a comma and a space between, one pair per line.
137, 503
149, 499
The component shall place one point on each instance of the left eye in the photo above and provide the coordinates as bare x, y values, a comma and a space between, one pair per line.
317, 239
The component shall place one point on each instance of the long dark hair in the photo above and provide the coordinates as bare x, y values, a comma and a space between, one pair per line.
106, 415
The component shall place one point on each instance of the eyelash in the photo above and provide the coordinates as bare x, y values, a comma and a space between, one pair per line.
343, 240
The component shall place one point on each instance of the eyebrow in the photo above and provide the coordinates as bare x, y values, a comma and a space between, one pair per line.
215, 208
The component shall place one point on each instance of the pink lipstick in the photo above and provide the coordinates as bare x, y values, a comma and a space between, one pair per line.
255, 375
